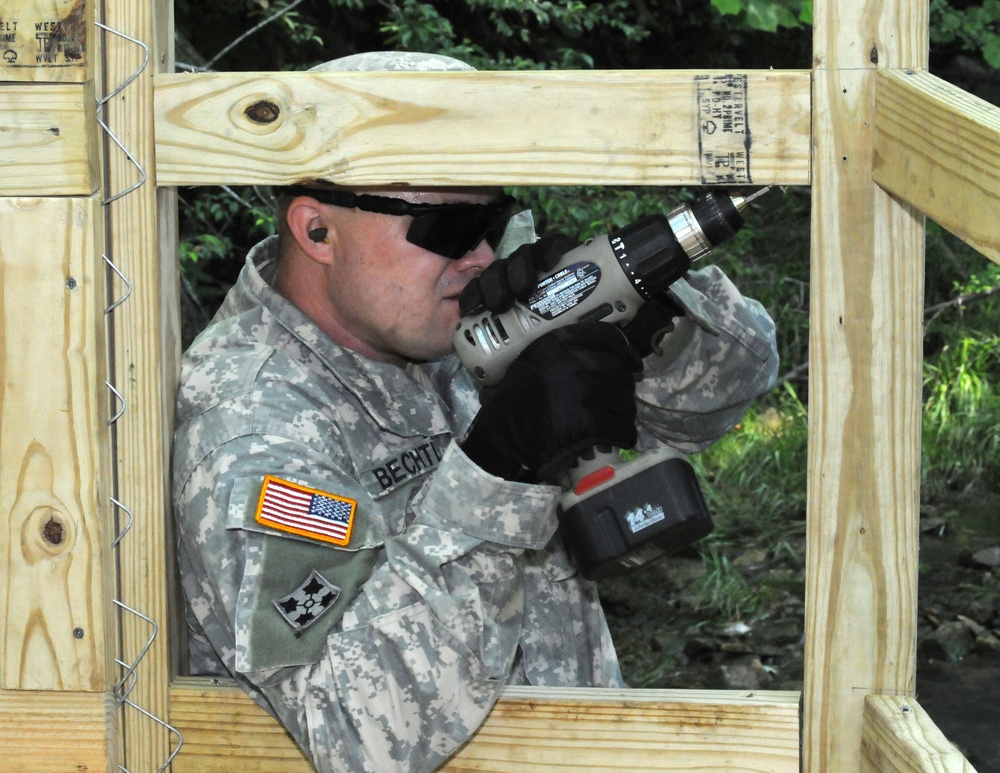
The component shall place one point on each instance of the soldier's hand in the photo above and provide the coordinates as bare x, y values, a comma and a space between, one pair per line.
568, 391
515, 277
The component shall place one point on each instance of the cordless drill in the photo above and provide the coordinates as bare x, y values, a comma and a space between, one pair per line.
620, 509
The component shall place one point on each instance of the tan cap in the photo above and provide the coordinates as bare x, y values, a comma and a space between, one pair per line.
393, 61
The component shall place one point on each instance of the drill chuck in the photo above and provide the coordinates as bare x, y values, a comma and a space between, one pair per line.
649, 255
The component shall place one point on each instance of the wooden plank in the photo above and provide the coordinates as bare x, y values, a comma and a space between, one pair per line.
54, 603
530, 729
900, 737
225, 730
46, 40
947, 163
42, 732
529, 128
48, 139
538, 730
147, 350
866, 294
868, 34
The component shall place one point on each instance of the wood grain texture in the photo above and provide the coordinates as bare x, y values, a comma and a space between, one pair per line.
530, 729
57, 732
531, 128
870, 34
938, 148
48, 140
46, 40
54, 567
900, 736
145, 327
865, 334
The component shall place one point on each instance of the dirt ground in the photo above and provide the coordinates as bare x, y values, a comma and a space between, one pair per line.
665, 641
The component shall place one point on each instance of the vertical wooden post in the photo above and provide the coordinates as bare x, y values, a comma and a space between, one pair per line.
146, 352
56, 577
864, 396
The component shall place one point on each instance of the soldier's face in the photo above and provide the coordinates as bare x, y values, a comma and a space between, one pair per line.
393, 300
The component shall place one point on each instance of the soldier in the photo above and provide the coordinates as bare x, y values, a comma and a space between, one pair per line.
365, 550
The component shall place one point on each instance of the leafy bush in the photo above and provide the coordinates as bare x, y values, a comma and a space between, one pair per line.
972, 27
754, 477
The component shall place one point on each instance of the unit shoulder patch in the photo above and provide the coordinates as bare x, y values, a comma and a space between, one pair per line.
307, 512
307, 603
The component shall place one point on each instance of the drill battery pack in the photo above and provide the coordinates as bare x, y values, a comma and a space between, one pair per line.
621, 514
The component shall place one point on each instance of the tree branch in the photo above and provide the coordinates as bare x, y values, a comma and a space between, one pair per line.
249, 32
801, 372
961, 301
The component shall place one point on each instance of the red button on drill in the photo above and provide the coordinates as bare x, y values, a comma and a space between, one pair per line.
593, 479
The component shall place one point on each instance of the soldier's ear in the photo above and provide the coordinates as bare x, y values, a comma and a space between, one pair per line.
309, 228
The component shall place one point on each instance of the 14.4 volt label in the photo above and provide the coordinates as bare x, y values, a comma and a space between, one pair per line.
564, 290
644, 517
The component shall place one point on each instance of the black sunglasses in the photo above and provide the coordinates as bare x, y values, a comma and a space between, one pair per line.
449, 230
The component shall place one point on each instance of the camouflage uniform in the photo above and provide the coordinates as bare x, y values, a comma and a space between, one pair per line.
386, 654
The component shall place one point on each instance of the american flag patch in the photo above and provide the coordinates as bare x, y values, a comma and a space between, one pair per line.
304, 511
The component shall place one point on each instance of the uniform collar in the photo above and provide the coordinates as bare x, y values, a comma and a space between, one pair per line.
392, 397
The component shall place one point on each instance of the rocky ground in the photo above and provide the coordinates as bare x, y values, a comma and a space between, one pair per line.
665, 640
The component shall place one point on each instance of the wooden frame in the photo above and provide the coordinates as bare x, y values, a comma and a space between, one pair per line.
847, 128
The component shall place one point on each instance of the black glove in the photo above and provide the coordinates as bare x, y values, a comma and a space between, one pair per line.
654, 320
515, 277
566, 392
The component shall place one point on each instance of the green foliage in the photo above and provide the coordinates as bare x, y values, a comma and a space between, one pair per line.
961, 441
768, 15
754, 477
972, 27
218, 227
522, 34
961, 420
587, 211
723, 589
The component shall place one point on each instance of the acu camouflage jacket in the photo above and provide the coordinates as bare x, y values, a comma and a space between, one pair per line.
383, 645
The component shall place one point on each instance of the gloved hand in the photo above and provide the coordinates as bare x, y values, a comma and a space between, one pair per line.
515, 277
568, 391
654, 320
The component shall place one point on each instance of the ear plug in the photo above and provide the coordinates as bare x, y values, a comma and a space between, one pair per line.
318, 234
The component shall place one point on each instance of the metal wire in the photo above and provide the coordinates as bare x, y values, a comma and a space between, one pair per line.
130, 669
121, 401
128, 285
128, 525
101, 103
170, 728
130, 674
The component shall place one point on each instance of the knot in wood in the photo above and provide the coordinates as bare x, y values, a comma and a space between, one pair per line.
53, 532
263, 111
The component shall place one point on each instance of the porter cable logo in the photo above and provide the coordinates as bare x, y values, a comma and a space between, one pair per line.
644, 516
565, 289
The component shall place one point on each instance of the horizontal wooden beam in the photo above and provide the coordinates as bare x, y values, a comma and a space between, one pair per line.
43, 731
47, 41
48, 139
899, 736
530, 729
528, 128
536, 730
936, 148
